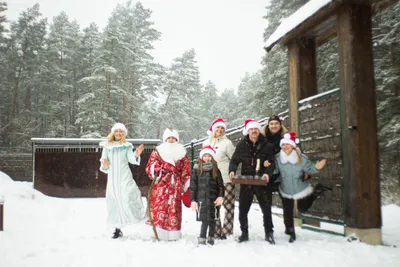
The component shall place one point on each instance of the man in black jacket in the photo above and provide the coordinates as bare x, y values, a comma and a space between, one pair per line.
253, 147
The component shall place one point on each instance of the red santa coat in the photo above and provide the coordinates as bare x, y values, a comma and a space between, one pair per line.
169, 165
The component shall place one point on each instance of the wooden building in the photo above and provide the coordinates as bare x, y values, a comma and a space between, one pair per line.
350, 22
69, 167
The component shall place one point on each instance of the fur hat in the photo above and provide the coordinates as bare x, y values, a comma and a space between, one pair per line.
119, 126
207, 150
169, 133
250, 123
274, 118
289, 138
215, 124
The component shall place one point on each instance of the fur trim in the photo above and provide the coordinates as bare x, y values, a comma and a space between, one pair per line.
115, 144
186, 185
207, 150
152, 167
302, 194
250, 124
215, 124
292, 158
166, 235
168, 133
171, 152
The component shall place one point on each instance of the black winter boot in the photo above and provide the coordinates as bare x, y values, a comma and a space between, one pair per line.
292, 238
243, 237
269, 237
290, 232
117, 233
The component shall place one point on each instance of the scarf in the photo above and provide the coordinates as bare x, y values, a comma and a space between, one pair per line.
291, 158
207, 166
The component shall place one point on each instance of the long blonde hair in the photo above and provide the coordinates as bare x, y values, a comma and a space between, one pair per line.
111, 138
298, 153
213, 135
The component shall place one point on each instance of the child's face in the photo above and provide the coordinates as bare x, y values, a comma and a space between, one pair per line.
287, 148
207, 158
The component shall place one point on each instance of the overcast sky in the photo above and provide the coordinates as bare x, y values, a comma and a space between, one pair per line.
226, 34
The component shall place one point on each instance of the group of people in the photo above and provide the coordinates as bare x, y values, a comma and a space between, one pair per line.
209, 185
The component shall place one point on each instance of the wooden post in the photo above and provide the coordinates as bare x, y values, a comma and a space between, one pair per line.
359, 128
302, 76
302, 81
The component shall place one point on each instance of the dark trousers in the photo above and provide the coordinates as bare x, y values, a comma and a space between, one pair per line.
210, 224
303, 205
264, 197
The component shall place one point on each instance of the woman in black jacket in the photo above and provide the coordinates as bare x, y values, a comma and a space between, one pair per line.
206, 193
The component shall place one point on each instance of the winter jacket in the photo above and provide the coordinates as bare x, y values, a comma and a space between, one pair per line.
274, 139
204, 189
247, 153
292, 186
224, 150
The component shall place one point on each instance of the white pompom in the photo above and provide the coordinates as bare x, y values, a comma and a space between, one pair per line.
286, 136
297, 141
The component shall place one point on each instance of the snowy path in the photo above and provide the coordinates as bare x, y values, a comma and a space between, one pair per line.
42, 231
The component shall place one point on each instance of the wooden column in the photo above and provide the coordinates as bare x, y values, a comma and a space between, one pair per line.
359, 129
302, 76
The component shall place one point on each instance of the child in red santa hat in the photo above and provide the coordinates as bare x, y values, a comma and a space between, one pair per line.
291, 164
206, 193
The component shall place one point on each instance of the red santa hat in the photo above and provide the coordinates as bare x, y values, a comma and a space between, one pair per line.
289, 138
169, 133
207, 150
119, 126
250, 123
215, 124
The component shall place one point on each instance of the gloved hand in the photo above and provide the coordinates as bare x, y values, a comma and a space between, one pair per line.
218, 201
194, 206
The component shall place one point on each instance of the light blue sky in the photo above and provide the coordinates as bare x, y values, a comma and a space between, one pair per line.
226, 34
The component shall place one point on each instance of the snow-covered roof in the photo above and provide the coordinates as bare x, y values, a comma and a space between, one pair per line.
294, 20
88, 141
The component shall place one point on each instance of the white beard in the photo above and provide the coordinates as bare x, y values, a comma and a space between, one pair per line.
171, 152
291, 158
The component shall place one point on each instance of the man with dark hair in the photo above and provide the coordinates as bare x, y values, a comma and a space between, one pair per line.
252, 149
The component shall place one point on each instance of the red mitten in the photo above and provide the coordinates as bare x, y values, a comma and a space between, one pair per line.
186, 198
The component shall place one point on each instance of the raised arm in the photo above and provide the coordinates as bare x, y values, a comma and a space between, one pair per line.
133, 158
309, 167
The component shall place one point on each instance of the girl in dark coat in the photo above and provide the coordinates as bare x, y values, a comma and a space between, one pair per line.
206, 193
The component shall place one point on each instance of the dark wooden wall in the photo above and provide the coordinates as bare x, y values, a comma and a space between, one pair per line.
77, 174
320, 135
17, 166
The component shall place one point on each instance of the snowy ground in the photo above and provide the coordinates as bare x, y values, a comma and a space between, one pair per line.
43, 231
